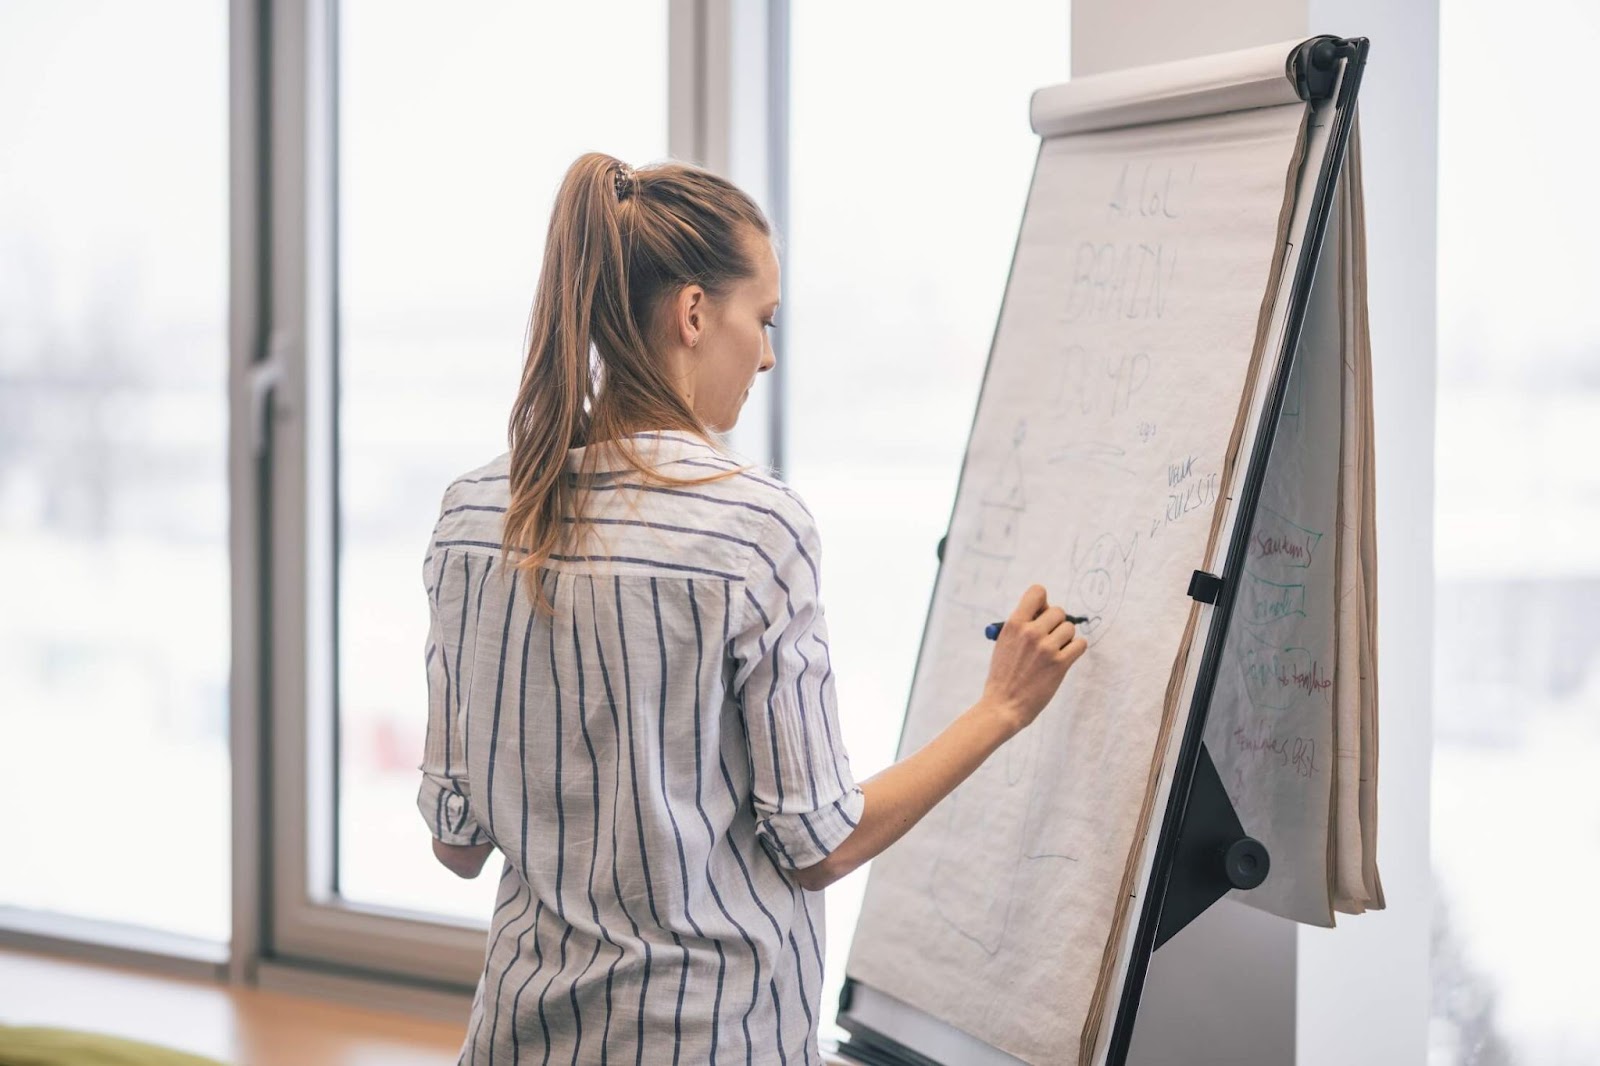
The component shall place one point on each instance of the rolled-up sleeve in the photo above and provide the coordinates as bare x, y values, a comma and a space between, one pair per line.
805, 797
444, 797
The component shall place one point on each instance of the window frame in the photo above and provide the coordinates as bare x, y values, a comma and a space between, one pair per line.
115, 943
727, 110
285, 353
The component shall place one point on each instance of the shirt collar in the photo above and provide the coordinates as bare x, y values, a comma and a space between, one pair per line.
654, 447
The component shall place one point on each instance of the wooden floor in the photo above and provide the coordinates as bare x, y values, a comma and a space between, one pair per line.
243, 1026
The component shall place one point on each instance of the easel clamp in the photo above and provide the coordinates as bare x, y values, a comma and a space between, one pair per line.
1205, 587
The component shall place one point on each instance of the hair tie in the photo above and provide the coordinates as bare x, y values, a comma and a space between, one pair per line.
625, 181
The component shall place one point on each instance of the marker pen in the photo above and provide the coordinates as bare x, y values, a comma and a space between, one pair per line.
992, 630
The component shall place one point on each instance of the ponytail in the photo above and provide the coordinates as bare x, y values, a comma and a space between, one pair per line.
619, 241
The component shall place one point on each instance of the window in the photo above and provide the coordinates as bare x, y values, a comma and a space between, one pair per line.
1517, 663
454, 134
906, 196
114, 649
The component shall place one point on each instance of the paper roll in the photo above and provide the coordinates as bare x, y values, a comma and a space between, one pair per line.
1209, 85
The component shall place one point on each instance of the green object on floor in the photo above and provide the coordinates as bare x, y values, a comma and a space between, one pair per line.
30, 1046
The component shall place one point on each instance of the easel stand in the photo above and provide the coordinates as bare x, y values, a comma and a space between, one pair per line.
1200, 850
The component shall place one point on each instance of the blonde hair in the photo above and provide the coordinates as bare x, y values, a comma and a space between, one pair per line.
620, 241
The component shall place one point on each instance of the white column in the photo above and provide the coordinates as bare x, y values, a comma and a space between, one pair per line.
1238, 987
1364, 987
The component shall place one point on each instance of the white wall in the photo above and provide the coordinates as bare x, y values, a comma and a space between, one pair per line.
1111, 35
1218, 993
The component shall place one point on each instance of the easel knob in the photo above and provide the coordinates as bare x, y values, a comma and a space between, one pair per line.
1245, 863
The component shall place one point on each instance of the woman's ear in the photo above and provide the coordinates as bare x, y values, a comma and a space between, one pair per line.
691, 313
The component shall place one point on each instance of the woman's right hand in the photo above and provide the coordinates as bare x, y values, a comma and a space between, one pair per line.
1031, 657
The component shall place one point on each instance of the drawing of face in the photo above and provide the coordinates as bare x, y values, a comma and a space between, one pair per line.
1094, 590
1099, 581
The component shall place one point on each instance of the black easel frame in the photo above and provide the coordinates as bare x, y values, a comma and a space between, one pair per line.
1315, 66
1202, 850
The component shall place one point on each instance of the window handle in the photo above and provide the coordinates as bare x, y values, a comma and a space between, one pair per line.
264, 377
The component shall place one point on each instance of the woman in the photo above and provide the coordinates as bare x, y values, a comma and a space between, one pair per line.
635, 705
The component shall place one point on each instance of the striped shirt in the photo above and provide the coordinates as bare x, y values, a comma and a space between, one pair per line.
651, 762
